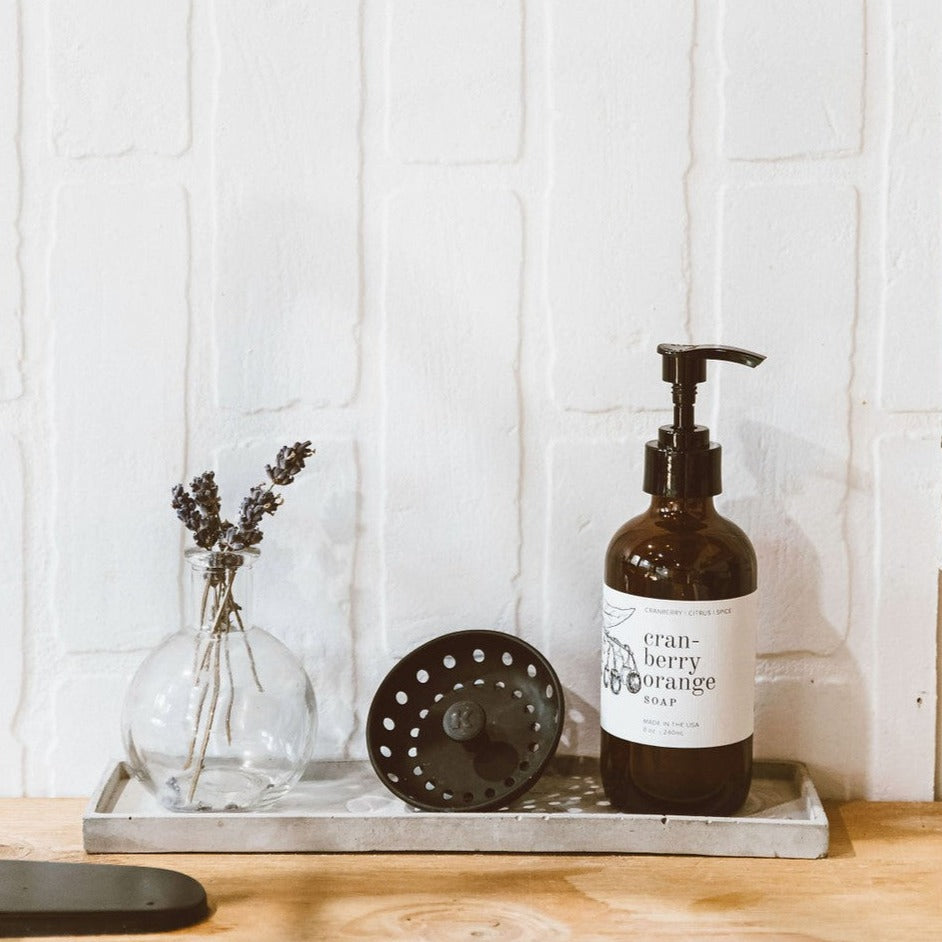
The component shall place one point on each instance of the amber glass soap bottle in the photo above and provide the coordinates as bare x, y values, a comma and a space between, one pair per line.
679, 607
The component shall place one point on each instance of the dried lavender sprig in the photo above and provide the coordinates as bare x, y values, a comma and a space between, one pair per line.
200, 511
205, 529
289, 463
261, 500
205, 532
185, 507
206, 493
247, 533
235, 538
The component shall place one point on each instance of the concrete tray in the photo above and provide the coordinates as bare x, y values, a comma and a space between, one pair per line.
343, 807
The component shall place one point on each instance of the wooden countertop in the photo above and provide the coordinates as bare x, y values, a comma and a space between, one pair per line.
882, 880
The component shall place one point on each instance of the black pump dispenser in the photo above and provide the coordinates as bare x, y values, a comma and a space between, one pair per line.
683, 462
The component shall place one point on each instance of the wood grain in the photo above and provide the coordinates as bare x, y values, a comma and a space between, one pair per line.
882, 880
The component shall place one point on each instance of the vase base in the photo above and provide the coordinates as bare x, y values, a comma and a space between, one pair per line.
221, 786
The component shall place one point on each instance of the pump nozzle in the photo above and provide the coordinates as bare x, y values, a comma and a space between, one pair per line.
684, 365
683, 461
679, 358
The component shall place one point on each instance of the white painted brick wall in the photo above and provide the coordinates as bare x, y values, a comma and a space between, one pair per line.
304, 577
912, 342
11, 613
117, 288
86, 708
586, 504
118, 77
455, 80
286, 203
617, 239
452, 443
10, 286
906, 585
441, 239
794, 78
789, 284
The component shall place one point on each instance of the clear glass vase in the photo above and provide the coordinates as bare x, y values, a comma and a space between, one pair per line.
221, 716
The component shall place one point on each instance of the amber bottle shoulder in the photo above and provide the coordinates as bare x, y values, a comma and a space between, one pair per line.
673, 554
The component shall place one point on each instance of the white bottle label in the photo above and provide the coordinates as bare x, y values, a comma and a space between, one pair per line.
678, 674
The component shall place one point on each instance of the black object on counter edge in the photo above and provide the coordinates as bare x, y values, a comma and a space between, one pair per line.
41, 898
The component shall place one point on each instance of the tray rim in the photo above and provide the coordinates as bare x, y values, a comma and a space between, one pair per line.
99, 821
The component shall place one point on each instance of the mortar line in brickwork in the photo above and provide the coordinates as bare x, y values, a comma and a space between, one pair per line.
849, 422
357, 720
722, 76
522, 91
876, 562
382, 69
522, 296
540, 412
885, 156
865, 40
361, 202
549, 113
213, 187
187, 388
188, 274
719, 201
18, 381
687, 258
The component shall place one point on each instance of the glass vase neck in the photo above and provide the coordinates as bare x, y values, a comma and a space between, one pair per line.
203, 560
220, 590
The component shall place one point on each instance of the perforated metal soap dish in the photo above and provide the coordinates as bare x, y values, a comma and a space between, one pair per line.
466, 722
